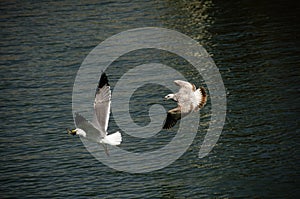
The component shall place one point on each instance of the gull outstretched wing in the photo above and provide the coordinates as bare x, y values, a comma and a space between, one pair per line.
185, 85
102, 104
173, 116
92, 133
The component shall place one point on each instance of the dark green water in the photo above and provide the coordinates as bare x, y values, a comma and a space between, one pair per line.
255, 44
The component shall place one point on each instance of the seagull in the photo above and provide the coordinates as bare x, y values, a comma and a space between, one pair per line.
189, 99
96, 131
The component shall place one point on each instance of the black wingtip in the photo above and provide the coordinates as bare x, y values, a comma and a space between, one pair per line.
103, 81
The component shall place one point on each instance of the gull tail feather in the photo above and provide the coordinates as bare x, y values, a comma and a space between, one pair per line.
113, 139
105, 149
203, 98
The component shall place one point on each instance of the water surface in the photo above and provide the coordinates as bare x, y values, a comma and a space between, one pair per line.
255, 44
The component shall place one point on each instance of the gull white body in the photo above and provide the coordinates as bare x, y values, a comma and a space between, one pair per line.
96, 131
188, 98
112, 139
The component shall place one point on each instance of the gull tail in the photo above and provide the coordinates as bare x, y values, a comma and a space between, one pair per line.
113, 139
203, 98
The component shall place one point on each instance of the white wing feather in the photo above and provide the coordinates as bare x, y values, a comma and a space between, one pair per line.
185, 85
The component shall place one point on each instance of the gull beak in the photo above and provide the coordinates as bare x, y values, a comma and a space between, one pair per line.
71, 131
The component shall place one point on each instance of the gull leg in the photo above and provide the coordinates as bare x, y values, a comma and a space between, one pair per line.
105, 149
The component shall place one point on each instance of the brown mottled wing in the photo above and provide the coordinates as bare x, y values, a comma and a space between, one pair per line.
203, 97
172, 117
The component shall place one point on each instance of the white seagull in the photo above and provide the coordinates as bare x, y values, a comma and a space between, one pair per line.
96, 131
189, 99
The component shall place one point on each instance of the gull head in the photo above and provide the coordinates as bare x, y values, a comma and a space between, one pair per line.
72, 131
170, 96
77, 131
